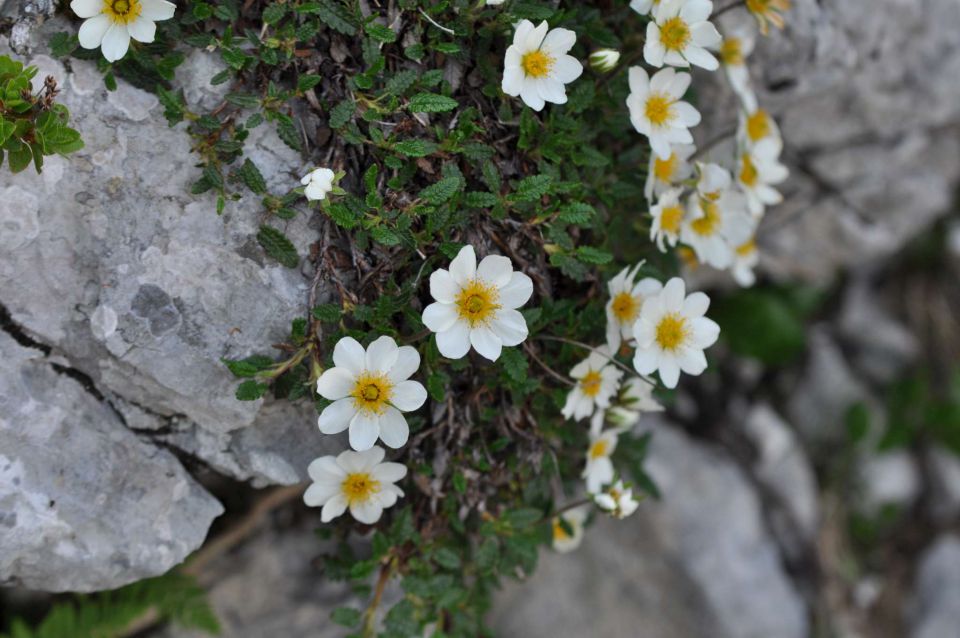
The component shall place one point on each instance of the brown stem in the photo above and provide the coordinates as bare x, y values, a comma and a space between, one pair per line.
556, 375
369, 620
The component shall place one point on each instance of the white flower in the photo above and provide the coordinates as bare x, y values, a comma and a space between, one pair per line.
737, 45
494, 3
680, 34
663, 174
745, 259
597, 380
756, 126
656, 110
672, 334
537, 67
618, 500
319, 183
713, 180
626, 299
668, 216
369, 390
604, 60
644, 7
566, 541
712, 227
768, 11
477, 305
636, 397
599, 469
760, 170
110, 24
357, 480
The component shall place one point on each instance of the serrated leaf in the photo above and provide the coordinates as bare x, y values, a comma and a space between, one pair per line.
431, 103
479, 199
380, 33
346, 616
577, 213
248, 367
532, 188
591, 255
441, 191
333, 14
400, 82
288, 132
385, 236
307, 82
342, 113
251, 176
327, 313
514, 364
273, 13
276, 244
251, 390
415, 148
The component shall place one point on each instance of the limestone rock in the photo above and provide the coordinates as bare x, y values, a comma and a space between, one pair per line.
935, 611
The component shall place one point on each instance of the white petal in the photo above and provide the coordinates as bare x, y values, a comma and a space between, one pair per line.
669, 371
157, 9
646, 361
440, 317
531, 96
654, 51
701, 58
142, 30
704, 34
115, 42
673, 294
394, 430
692, 361
336, 416
687, 115
662, 81
696, 305
678, 84
86, 8
408, 362
552, 90
558, 42
364, 431
454, 342
486, 343
367, 512
512, 82
521, 34
318, 494
92, 31
495, 270
675, 58
660, 144
442, 286
535, 37
324, 469
463, 268
389, 472
382, 354
349, 354
368, 459
335, 383
334, 508
705, 332
567, 69
639, 80
510, 326
408, 396
517, 291
696, 10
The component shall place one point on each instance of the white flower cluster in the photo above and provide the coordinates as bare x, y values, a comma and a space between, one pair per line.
110, 24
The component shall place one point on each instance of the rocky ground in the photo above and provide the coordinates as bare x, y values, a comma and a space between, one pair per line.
119, 293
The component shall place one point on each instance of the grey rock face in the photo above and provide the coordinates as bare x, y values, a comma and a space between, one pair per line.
935, 611
700, 562
64, 524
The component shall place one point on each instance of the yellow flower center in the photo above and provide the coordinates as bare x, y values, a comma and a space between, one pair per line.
744, 250
688, 257
122, 11
731, 52
758, 126
598, 449
670, 219
658, 109
477, 302
710, 222
672, 331
359, 487
590, 383
625, 307
537, 64
663, 169
748, 172
371, 392
674, 34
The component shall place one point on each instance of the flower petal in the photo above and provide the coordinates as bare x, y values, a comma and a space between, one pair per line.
673, 294
510, 326
367, 512
115, 42
558, 42
442, 286
701, 57
517, 291
364, 431
567, 69
531, 96
336, 417
495, 270
382, 354
646, 360
389, 472
157, 9
350, 355
486, 343
92, 31
408, 396
394, 430
454, 342
692, 361
669, 371
408, 361
335, 383
142, 30
319, 493
86, 8
333, 508
696, 305
512, 82
324, 469
440, 317
463, 268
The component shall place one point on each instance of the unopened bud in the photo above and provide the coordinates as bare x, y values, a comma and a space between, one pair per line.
604, 60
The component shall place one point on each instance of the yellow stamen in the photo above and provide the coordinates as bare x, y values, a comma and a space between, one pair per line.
674, 34
537, 64
768, 11
758, 126
559, 533
710, 222
477, 302
658, 109
748, 172
670, 219
672, 331
590, 383
625, 307
122, 11
663, 170
359, 487
371, 392
746, 249
731, 52
598, 449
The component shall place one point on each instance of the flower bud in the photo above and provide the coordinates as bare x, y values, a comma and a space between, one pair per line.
604, 60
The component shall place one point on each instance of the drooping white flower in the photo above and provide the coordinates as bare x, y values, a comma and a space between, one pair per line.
713, 227
568, 534
597, 380
657, 111
664, 174
109, 24
745, 259
477, 305
604, 60
680, 34
618, 500
369, 389
736, 47
635, 398
672, 333
760, 170
319, 183
756, 126
768, 12
537, 67
359, 481
644, 7
626, 299
494, 3
668, 214
599, 468
713, 180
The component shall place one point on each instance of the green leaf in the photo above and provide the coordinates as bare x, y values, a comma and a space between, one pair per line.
441, 191
431, 103
251, 390
346, 616
761, 323
400, 82
307, 82
479, 199
328, 312
276, 244
380, 33
288, 132
591, 255
577, 213
515, 364
6, 130
385, 236
273, 13
415, 148
446, 558
436, 386
246, 368
333, 14
20, 156
342, 113
251, 176
532, 188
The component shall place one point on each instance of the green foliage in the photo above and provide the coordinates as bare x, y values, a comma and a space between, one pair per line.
32, 125
175, 597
